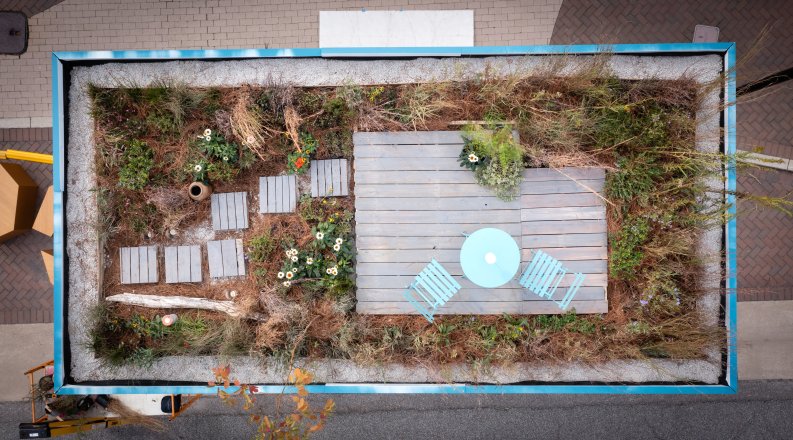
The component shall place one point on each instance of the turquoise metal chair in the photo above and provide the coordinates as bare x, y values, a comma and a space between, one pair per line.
543, 275
431, 289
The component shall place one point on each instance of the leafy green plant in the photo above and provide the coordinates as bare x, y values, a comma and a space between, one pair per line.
445, 332
260, 247
217, 148
626, 250
335, 113
297, 161
136, 163
567, 321
495, 158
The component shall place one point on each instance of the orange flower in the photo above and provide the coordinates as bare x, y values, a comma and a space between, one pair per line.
299, 162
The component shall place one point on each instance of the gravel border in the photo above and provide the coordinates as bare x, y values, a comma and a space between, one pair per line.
83, 246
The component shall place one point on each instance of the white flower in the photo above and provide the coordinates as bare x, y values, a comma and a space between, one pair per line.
473, 158
280, 275
328, 271
334, 271
320, 235
225, 158
294, 258
339, 241
287, 283
198, 168
309, 261
290, 275
293, 251
336, 247
207, 138
251, 140
207, 133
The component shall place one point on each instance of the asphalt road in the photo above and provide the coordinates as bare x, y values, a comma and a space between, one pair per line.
761, 410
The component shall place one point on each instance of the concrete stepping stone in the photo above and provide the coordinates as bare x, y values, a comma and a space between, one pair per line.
277, 194
226, 258
229, 211
139, 265
329, 178
183, 264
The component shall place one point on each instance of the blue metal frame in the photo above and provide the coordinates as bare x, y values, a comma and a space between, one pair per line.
727, 50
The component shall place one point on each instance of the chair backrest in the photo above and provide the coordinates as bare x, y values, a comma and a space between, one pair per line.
432, 288
543, 276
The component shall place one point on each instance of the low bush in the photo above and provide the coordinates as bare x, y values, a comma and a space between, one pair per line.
136, 163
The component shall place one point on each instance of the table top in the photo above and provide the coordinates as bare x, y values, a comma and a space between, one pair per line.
490, 257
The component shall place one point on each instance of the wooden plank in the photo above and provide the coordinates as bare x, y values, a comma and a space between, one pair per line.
406, 163
244, 202
330, 188
337, 177
134, 266
563, 227
430, 230
271, 193
143, 264
489, 216
570, 253
195, 264
171, 265
345, 178
231, 207
215, 259
561, 187
484, 308
432, 191
426, 151
321, 189
406, 137
402, 281
262, 194
292, 193
314, 179
578, 173
566, 255
442, 204
460, 175
240, 199
223, 212
572, 213
580, 240
454, 268
229, 253
183, 264
279, 194
153, 266
240, 257
410, 242
215, 202
589, 293
125, 265
555, 200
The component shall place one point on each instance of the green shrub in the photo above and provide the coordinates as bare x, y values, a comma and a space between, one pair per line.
635, 178
335, 113
260, 247
568, 321
495, 158
626, 248
136, 163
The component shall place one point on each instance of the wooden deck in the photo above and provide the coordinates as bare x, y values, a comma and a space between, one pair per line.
413, 202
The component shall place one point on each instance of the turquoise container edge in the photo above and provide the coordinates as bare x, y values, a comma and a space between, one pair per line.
727, 50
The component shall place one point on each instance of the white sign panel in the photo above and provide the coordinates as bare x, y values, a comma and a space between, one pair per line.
396, 28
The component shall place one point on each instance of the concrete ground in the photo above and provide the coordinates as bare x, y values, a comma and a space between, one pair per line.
760, 411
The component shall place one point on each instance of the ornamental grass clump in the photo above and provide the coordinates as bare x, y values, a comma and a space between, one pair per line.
495, 158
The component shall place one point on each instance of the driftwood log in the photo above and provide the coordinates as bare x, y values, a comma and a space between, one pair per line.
184, 302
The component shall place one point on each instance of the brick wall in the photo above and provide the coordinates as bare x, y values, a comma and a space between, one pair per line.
202, 24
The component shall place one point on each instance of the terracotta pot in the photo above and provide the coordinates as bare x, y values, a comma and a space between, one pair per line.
198, 191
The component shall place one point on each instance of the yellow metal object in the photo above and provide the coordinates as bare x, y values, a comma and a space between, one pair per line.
26, 156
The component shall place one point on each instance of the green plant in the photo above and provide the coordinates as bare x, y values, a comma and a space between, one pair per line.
297, 161
217, 148
335, 113
495, 158
136, 163
260, 247
445, 332
626, 247
142, 357
567, 321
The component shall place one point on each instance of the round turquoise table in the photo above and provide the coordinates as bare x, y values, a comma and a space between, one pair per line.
490, 257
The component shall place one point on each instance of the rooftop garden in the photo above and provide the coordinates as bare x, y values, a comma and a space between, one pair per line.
297, 298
